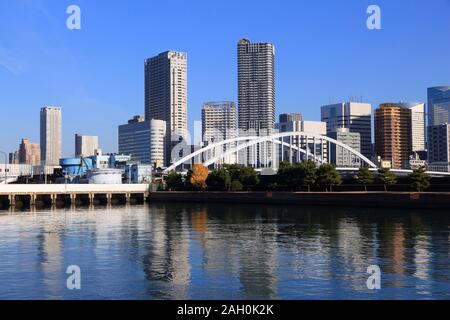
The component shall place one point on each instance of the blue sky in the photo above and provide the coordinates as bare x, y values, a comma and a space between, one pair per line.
324, 53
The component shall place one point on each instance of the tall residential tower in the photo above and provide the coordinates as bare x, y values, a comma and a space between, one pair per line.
393, 141
51, 118
219, 123
166, 94
256, 87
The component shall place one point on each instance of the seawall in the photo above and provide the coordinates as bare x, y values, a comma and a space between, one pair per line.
370, 199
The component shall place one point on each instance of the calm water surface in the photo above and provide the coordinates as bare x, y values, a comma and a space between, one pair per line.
171, 251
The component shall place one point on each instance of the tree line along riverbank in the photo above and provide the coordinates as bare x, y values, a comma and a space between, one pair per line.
301, 177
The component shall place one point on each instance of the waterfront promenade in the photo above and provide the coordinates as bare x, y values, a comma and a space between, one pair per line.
70, 193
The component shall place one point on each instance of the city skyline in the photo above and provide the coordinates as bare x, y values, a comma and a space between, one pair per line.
292, 96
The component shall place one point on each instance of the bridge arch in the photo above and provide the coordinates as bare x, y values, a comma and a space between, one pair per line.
277, 138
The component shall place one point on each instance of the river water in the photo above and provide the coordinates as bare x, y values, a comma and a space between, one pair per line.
177, 251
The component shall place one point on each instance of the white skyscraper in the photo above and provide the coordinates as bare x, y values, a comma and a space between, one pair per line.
51, 118
166, 94
417, 125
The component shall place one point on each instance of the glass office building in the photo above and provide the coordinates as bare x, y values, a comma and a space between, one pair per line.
438, 105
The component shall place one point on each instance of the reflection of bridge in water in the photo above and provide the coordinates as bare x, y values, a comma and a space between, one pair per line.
267, 151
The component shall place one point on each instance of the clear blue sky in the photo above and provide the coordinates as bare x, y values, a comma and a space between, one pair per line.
324, 52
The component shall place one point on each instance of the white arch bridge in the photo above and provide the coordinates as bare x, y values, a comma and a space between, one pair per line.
267, 151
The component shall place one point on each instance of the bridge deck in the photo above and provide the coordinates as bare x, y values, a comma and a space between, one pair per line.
47, 189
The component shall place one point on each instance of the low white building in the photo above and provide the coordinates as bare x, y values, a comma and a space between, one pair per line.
299, 125
143, 140
13, 171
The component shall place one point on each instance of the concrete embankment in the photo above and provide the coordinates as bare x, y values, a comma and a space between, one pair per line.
371, 199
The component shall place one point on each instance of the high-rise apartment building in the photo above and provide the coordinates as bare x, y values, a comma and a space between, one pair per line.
354, 116
143, 140
393, 134
256, 87
438, 105
85, 146
29, 153
219, 123
166, 95
51, 118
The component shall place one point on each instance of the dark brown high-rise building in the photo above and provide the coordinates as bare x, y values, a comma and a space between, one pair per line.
393, 134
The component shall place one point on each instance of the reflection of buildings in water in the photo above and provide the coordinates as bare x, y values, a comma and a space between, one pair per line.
167, 263
353, 252
242, 247
50, 256
422, 256
398, 247
393, 252
199, 220
220, 250
258, 253
306, 256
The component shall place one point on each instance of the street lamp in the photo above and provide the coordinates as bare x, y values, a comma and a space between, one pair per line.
6, 166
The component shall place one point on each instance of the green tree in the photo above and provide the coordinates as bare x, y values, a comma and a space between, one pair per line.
236, 186
219, 180
175, 181
285, 174
420, 179
297, 175
247, 176
309, 173
386, 178
327, 176
365, 177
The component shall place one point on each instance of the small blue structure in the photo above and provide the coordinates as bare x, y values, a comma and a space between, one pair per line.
76, 166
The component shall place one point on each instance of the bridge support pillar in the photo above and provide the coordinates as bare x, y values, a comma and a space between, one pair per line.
53, 198
73, 198
91, 198
32, 199
12, 200
108, 198
127, 197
